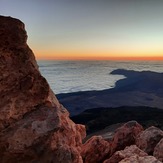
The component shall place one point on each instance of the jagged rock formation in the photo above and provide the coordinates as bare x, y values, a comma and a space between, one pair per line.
34, 127
122, 147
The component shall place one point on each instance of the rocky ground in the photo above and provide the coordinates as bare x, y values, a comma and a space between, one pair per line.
130, 144
36, 128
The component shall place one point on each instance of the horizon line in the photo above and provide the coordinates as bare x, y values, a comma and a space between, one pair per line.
103, 58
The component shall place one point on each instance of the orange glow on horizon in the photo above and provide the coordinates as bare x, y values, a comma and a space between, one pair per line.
57, 55
103, 58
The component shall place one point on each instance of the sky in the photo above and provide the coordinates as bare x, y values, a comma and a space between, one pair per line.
90, 29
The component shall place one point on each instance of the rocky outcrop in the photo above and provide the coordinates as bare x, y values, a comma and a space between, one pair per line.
125, 135
158, 150
122, 147
34, 126
148, 139
95, 150
132, 150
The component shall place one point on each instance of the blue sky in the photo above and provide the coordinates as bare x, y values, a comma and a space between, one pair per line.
90, 28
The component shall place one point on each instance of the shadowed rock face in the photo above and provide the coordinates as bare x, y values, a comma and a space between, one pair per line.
149, 138
34, 127
158, 150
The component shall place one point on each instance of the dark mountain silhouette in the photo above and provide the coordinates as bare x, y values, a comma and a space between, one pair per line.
137, 89
99, 118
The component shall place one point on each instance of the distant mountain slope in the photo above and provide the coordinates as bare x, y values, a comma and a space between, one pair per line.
145, 81
99, 118
137, 89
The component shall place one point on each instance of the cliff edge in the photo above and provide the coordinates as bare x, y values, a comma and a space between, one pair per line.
34, 126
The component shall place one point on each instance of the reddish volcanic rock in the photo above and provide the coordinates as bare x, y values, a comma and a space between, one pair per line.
148, 139
34, 127
125, 136
138, 159
95, 150
158, 150
126, 153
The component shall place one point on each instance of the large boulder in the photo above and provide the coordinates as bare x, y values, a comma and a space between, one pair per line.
148, 139
158, 150
125, 136
132, 150
95, 150
34, 126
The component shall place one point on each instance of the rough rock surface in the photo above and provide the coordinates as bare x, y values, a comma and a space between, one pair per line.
158, 151
126, 153
95, 150
138, 159
34, 127
148, 139
125, 136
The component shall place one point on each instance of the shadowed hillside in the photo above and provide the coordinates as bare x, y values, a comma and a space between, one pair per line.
99, 118
137, 89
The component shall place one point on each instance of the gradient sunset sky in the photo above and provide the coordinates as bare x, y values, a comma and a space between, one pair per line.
90, 29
